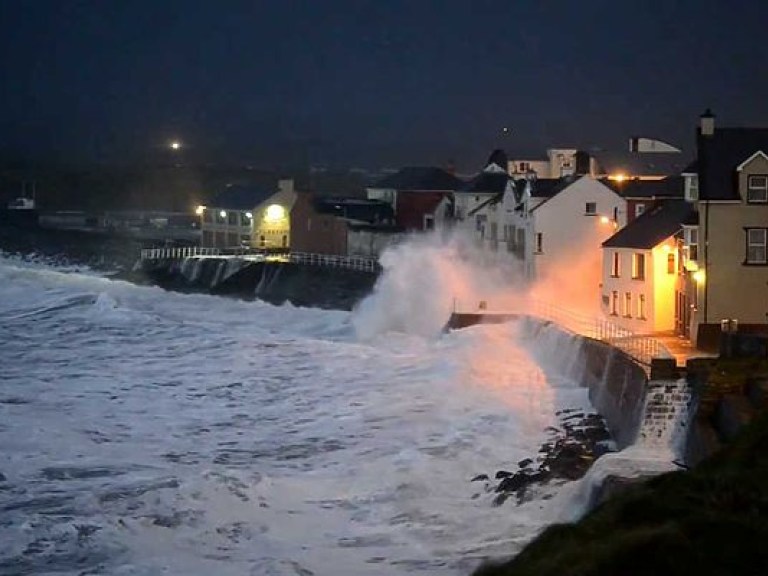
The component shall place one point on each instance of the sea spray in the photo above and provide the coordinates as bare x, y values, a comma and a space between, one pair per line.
427, 277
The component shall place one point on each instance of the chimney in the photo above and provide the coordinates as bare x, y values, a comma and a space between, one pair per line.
285, 185
707, 125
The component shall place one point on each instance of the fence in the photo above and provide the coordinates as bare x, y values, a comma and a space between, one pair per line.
328, 260
641, 347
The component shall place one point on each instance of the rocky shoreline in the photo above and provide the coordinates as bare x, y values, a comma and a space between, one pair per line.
566, 455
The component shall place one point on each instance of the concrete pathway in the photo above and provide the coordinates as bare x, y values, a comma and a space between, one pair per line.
680, 348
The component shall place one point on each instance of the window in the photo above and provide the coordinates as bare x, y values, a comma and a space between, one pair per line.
692, 188
628, 305
429, 222
614, 303
671, 263
757, 189
615, 265
221, 217
590, 208
479, 221
539, 242
232, 218
638, 266
691, 239
245, 222
756, 246
641, 306
639, 209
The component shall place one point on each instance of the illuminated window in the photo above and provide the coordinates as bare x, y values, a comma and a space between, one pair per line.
671, 263
641, 306
757, 189
756, 246
628, 305
638, 266
614, 303
615, 265
692, 188
639, 209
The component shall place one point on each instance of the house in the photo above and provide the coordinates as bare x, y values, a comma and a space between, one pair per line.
557, 228
247, 216
642, 194
726, 249
490, 182
422, 197
341, 226
641, 265
559, 163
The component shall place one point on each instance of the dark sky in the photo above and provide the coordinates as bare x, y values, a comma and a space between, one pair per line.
371, 83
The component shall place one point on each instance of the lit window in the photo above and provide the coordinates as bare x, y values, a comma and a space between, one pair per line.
615, 265
590, 208
641, 306
756, 246
614, 303
639, 209
757, 189
671, 263
638, 266
539, 242
628, 305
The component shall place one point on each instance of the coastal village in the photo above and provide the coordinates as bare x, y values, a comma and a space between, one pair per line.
661, 243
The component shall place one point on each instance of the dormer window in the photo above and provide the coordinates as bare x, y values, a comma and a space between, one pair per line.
757, 189
692, 187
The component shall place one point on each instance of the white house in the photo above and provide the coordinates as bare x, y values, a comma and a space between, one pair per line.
641, 265
558, 227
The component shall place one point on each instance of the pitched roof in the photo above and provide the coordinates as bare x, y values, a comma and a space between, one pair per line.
641, 163
653, 226
241, 197
548, 187
669, 187
355, 209
720, 154
420, 178
487, 182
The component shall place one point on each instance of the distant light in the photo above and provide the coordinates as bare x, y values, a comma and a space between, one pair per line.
249, 215
274, 212
618, 177
199, 210
666, 247
699, 276
223, 213
604, 219
175, 145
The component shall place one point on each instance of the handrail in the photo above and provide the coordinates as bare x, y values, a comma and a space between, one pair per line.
328, 260
640, 347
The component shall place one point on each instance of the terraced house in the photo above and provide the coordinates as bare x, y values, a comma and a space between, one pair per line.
726, 249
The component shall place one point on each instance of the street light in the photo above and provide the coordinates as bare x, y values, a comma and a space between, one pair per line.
175, 145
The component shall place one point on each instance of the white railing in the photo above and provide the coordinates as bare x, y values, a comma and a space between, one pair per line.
328, 260
641, 347
333, 261
178, 253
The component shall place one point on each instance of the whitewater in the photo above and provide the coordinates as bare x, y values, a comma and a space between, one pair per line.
150, 432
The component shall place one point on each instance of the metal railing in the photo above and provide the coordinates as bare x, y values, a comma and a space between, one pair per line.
640, 347
328, 260
333, 261
178, 252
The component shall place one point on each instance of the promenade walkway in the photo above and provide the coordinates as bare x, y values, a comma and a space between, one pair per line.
680, 348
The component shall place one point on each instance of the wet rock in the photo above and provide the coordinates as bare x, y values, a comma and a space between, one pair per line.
568, 455
480, 478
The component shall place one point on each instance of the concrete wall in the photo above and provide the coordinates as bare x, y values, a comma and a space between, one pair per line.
617, 385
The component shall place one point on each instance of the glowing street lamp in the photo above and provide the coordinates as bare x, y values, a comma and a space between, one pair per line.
199, 210
175, 145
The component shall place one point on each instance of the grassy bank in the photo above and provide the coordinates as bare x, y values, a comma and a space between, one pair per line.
710, 521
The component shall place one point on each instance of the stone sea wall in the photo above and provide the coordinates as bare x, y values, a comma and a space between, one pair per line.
275, 282
617, 385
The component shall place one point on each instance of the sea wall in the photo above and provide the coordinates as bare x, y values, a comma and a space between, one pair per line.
617, 384
276, 282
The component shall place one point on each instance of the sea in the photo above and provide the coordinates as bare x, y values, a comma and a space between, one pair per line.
147, 432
